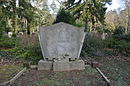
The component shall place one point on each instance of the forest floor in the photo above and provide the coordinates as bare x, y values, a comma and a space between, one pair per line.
116, 68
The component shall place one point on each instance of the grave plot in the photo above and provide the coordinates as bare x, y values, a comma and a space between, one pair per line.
87, 77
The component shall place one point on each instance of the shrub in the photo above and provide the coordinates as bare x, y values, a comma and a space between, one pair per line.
28, 48
97, 47
6, 42
110, 43
92, 46
119, 31
65, 16
125, 37
122, 46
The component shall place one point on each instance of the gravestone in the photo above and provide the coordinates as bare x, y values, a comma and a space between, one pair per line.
61, 46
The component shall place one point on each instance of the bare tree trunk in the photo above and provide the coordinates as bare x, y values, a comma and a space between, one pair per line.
128, 27
28, 29
128, 11
15, 16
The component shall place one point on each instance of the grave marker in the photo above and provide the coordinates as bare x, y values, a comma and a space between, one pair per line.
61, 46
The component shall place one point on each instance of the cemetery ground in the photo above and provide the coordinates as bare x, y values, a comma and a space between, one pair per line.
116, 68
114, 65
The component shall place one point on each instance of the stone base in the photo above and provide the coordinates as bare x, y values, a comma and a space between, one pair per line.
77, 65
45, 65
61, 65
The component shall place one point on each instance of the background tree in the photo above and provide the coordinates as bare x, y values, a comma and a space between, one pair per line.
6, 14
110, 17
65, 16
26, 16
127, 2
88, 11
54, 8
119, 19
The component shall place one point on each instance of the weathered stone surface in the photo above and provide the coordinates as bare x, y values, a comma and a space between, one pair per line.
61, 46
60, 39
45, 65
77, 65
61, 66
67, 66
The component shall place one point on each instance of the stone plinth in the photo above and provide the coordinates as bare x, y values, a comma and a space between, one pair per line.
63, 65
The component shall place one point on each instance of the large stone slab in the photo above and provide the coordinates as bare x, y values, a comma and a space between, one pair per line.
60, 39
